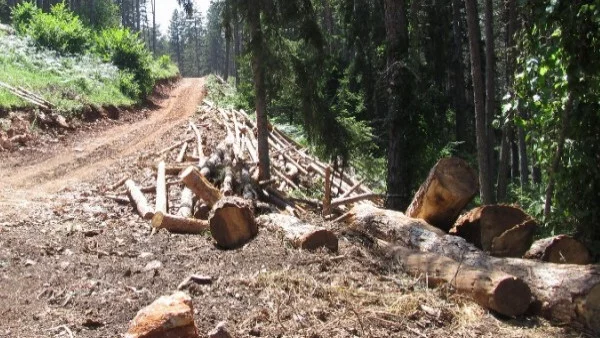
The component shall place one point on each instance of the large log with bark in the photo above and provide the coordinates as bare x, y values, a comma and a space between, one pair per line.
138, 199
449, 187
561, 249
501, 230
298, 233
564, 293
493, 289
232, 222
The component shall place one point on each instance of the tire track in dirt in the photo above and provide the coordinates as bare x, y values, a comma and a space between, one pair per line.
86, 160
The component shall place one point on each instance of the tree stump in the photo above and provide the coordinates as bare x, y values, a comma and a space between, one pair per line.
449, 187
232, 222
502, 230
561, 249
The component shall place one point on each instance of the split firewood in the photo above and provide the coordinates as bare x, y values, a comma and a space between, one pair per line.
161, 189
502, 230
300, 234
561, 249
201, 187
449, 187
138, 199
492, 289
564, 293
232, 222
178, 224
186, 205
181, 155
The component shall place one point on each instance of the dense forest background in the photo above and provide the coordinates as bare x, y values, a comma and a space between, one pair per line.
390, 86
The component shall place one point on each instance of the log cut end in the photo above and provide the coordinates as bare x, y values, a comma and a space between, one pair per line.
561, 249
451, 185
318, 239
588, 309
502, 230
511, 296
232, 222
298, 233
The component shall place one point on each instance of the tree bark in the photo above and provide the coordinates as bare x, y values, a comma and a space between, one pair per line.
490, 88
201, 187
449, 187
483, 157
258, 69
232, 222
564, 293
457, 72
492, 289
299, 234
179, 224
186, 204
561, 249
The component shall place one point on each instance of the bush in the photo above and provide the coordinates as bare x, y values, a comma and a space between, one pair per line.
128, 86
128, 53
59, 30
23, 14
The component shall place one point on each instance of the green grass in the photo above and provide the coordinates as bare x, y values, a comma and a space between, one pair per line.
69, 82
162, 70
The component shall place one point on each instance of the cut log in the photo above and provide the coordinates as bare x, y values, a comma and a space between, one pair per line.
327, 193
201, 187
161, 189
493, 289
564, 293
449, 187
186, 205
300, 234
227, 187
138, 199
232, 222
181, 155
201, 157
178, 224
561, 249
486, 227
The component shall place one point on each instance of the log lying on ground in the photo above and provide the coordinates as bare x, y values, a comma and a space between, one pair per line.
564, 293
493, 290
561, 249
449, 187
300, 234
138, 199
178, 224
193, 179
502, 230
161, 189
232, 222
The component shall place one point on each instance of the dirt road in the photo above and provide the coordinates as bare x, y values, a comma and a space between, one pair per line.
87, 157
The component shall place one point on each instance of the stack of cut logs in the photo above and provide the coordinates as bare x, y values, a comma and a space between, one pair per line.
220, 191
487, 253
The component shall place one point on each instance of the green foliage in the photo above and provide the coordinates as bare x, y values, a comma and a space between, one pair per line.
23, 14
4, 12
163, 68
59, 30
124, 49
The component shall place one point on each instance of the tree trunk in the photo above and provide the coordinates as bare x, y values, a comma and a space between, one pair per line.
236, 50
557, 157
450, 186
490, 88
299, 234
398, 180
260, 93
483, 157
457, 72
492, 289
153, 3
564, 293
561, 249
501, 230
232, 222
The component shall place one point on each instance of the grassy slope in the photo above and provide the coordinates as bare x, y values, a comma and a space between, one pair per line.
69, 82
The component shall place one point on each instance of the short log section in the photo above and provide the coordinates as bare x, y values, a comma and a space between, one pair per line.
561, 249
298, 233
449, 187
179, 224
196, 182
232, 222
138, 199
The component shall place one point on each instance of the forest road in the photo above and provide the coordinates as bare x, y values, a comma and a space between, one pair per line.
84, 159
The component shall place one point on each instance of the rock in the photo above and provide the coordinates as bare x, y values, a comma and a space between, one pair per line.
219, 332
167, 317
153, 265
